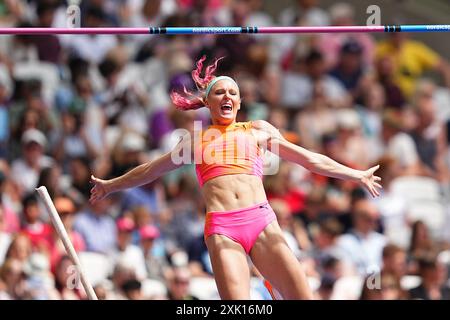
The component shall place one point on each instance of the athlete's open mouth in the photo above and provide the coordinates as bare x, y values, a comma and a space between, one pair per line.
227, 107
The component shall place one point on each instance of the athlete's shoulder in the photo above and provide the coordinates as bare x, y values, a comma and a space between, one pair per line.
262, 125
265, 129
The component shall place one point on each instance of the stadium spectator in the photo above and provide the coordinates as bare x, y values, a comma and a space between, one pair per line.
155, 260
434, 274
66, 210
33, 225
411, 59
343, 14
363, 245
96, 227
394, 261
429, 136
125, 250
25, 171
178, 284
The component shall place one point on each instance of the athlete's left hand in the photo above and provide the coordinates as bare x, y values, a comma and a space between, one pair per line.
370, 181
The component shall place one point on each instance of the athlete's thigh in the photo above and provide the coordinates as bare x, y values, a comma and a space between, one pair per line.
278, 264
230, 267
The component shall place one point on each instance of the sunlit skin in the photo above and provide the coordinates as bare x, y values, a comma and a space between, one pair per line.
224, 92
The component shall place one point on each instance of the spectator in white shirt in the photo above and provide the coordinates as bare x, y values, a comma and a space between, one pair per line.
25, 171
125, 251
363, 245
399, 145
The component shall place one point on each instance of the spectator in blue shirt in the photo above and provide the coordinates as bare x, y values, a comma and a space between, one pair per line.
97, 228
363, 245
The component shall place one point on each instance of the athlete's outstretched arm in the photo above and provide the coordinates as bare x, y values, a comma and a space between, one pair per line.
141, 175
316, 162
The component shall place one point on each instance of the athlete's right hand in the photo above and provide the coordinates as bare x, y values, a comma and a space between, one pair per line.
99, 189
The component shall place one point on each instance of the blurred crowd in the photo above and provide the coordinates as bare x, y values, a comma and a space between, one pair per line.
72, 106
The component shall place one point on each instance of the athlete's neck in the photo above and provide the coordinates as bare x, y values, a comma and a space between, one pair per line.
221, 124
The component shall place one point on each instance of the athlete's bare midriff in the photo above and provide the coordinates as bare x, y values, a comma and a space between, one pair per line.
231, 192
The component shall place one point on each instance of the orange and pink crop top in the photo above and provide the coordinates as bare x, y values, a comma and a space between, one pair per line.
225, 150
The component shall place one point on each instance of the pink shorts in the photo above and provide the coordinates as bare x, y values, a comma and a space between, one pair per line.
242, 225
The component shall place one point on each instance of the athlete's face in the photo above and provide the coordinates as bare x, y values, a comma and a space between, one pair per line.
224, 101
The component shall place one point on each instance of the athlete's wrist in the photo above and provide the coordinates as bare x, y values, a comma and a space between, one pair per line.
358, 176
110, 186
